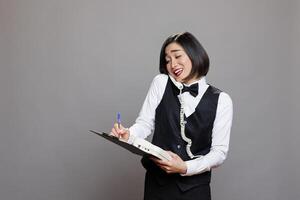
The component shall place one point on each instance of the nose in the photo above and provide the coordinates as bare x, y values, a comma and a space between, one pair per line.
173, 63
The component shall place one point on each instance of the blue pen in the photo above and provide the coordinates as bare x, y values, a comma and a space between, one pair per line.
119, 119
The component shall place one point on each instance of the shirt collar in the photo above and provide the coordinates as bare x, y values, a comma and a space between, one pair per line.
201, 81
202, 85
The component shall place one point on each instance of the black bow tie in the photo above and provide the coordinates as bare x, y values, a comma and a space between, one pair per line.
193, 89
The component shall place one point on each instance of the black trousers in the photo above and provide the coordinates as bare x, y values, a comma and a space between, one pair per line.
170, 191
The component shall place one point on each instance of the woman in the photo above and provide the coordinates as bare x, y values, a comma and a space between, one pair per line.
190, 119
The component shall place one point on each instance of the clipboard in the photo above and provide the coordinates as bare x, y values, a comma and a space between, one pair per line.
139, 146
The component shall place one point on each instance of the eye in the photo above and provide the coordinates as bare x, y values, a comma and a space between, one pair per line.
178, 56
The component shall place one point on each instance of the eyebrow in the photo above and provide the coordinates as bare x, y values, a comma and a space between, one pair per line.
174, 50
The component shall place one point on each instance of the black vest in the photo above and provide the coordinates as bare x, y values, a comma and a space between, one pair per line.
198, 128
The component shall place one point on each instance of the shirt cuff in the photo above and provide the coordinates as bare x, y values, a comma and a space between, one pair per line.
131, 137
196, 166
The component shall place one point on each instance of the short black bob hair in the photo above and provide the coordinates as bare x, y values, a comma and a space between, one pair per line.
194, 50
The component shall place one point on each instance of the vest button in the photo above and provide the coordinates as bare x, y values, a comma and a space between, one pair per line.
178, 146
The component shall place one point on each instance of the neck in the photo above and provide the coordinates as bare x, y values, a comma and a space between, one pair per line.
192, 80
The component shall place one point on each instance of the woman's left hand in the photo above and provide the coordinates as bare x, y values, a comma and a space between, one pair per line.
175, 165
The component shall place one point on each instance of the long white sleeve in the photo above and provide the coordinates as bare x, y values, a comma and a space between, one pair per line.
144, 124
220, 139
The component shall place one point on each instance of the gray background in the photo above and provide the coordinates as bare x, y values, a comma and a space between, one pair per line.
69, 66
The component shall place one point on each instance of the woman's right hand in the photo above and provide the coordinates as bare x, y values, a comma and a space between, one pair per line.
120, 132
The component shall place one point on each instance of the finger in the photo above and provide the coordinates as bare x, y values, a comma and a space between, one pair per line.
161, 163
153, 158
122, 131
167, 169
117, 132
162, 167
114, 129
114, 133
174, 155
156, 160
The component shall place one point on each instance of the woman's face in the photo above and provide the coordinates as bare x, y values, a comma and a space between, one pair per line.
178, 63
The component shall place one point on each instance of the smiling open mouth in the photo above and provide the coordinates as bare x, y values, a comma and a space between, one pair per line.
177, 72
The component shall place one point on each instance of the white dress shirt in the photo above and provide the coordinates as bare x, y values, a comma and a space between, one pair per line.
144, 124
